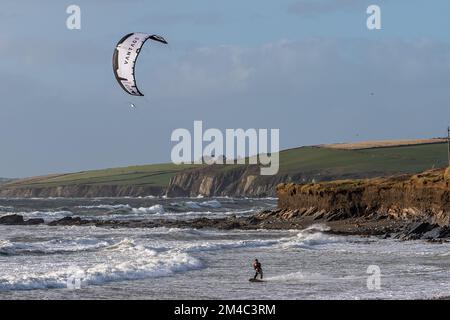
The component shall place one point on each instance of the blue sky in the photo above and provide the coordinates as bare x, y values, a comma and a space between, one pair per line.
306, 67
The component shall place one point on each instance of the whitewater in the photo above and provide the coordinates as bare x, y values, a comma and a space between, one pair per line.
86, 262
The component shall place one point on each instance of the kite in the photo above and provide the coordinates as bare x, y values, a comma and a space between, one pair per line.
125, 56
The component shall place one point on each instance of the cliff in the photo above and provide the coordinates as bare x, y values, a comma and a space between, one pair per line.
221, 180
419, 197
304, 164
81, 191
5, 180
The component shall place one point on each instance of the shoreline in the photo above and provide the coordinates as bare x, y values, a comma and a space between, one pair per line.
380, 225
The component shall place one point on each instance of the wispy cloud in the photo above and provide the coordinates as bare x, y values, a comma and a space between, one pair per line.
197, 18
303, 67
319, 7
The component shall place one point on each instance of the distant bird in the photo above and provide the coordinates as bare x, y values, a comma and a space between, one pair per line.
372, 94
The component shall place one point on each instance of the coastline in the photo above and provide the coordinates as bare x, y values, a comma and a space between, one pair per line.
406, 207
172, 229
380, 226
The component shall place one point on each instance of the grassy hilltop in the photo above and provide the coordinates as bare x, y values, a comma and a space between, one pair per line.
319, 160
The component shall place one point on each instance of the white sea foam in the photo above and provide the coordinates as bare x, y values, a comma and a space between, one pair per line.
46, 215
192, 205
211, 204
199, 205
313, 237
225, 245
331, 266
107, 206
296, 276
156, 209
51, 246
121, 261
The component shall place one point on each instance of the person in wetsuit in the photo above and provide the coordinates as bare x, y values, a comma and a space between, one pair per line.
258, 269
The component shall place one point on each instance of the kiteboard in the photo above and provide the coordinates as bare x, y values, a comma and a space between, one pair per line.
255, 280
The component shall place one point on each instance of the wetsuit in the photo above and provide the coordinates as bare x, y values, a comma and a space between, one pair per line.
258, 269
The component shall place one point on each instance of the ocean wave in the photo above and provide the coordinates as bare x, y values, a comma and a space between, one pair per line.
211, 204
156, 209
307, 239
54, 246
46, 215
199, 205
118, 262
107, 206
312, 237
224, 245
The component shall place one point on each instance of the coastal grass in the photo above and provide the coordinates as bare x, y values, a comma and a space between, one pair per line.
390, 160
144, 175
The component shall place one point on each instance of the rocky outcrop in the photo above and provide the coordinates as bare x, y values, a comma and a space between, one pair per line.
245, 180
422, 197
15, 219
224, 180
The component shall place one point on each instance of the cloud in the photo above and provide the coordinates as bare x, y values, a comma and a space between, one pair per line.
318, 7
199, 18
51, 52
300, 68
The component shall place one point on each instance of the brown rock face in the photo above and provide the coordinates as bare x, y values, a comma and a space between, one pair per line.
424, 197
224, 180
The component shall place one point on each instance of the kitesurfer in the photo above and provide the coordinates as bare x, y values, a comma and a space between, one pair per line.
258, 269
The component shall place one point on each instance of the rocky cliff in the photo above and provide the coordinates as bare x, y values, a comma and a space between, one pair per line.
420, 197
214, 180
243, 181
5, 180
220, 180
81, 191
299, 165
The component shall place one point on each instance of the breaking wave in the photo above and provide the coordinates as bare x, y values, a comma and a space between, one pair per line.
107, 206
156, 209
118, 262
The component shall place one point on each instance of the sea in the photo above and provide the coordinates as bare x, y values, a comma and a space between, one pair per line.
88, 262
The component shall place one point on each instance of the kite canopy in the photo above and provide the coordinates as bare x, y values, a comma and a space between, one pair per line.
125, 56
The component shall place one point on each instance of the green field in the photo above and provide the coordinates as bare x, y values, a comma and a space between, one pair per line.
387, 161
304, 160
153, 175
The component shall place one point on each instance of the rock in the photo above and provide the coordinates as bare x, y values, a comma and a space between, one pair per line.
436, 233
15, 219
34, 221
66, 221
381, 217
253, 220
419, 228
12, 219
232, 225
319, 215
337, 215
310, 211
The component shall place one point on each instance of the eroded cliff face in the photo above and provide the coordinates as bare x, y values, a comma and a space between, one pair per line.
244, 181
216, 180
81, 191
421, 197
